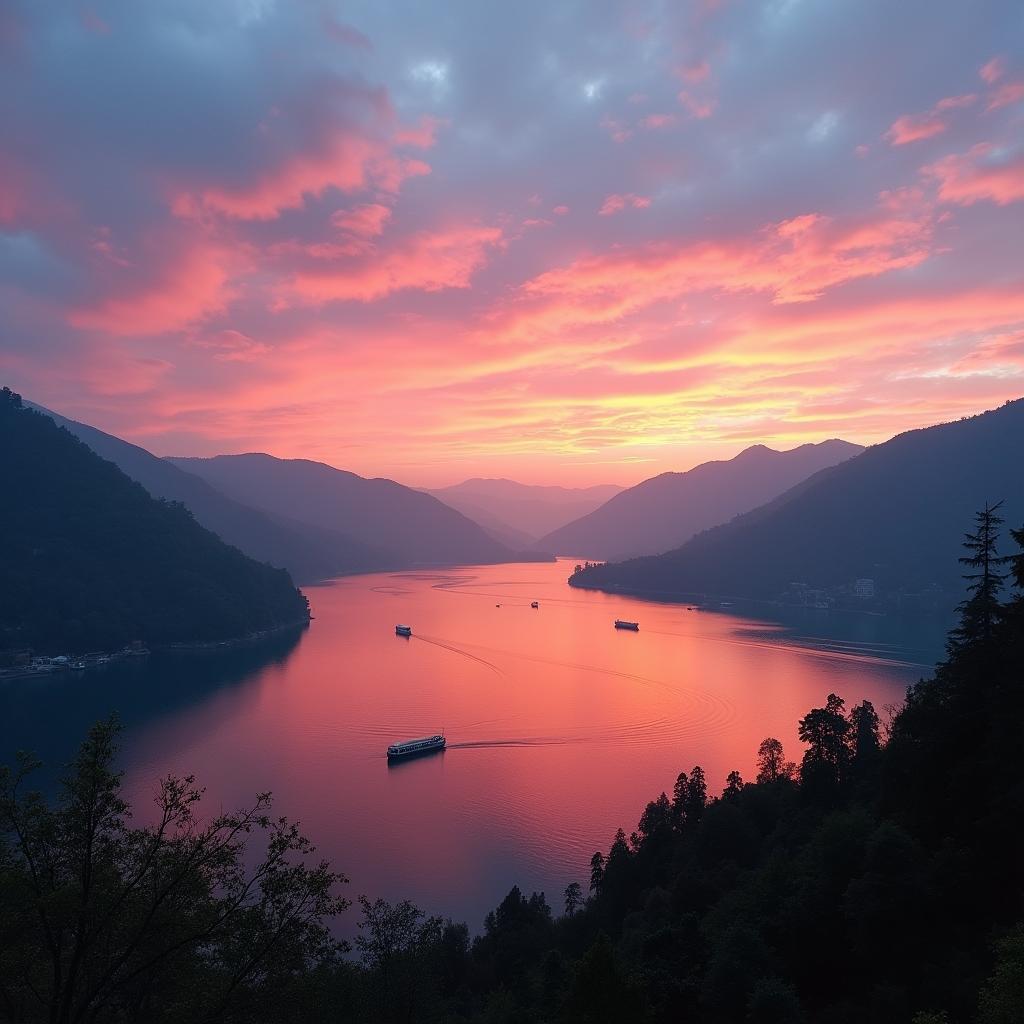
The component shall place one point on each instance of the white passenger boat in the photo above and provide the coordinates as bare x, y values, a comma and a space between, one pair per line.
625, 624
403, 630
411, 748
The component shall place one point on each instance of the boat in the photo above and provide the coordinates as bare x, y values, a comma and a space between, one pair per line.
403, 630
413, 748
624, 624
535, 604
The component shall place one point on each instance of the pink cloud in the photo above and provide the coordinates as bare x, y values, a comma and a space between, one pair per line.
793, 261
1005, 95
993, 70
917, 127
655, 121
914, 128
616, 203
560, 211
695, 106
697, 72
427, 261
189, 287
366, 221
980, 174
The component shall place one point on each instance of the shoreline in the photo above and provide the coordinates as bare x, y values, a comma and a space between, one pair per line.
100, 659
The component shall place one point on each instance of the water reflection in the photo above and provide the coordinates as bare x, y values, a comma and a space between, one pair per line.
559, 726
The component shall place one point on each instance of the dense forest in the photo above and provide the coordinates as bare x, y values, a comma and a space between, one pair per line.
892, 514
88, 560
874, 878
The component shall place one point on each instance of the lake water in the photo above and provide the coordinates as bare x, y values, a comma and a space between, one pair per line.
560, 727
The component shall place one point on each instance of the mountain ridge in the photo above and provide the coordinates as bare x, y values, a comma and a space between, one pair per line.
664, 511
893, 514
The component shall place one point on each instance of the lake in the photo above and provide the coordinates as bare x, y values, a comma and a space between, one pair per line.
560, 728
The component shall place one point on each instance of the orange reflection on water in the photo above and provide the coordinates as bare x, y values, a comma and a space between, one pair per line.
559, 726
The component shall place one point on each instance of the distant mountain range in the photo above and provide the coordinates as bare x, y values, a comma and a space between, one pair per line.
307, 552
413, 527
665, 511
518, 514
896, 514
88, 559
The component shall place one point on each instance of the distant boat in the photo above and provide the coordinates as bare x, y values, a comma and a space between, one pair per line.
535, 604
403, 630
78, 665
412, 748
623, 624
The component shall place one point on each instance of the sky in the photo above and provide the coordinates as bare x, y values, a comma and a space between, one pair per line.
565, 241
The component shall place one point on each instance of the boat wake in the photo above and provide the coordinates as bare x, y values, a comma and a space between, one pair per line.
458, 650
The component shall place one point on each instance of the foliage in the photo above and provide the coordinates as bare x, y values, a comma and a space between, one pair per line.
89, 561
106, 921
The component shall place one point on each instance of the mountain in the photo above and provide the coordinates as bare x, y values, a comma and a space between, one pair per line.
88, 559
308, 553
666, 510
895, 514
510, 509
413, 526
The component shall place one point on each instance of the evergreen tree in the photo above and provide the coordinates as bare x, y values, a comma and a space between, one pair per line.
980, 611
596, 872
573, 898
696, 796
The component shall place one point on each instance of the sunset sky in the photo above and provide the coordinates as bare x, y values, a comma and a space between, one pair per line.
572, 242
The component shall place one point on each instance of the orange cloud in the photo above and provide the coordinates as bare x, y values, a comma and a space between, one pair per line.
982, 173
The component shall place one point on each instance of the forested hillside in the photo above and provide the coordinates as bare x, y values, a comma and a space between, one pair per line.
88, 560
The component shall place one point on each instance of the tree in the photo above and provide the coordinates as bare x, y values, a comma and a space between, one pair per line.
106, 922
395, 942
680, 795
596, 872
733, 786
573, 898
656, 821
696, 795
826, 730
980, 611
771, 761
864, 727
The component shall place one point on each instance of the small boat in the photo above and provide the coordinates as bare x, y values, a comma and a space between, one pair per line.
624, 624
78, 665
413, 748
535, 604
403, 630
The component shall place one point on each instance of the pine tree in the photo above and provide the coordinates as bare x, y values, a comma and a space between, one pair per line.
980, 611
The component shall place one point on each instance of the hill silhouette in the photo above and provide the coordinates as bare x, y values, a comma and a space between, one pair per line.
667, 510
414, 527
88, 559
893, 514
308, 553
